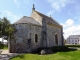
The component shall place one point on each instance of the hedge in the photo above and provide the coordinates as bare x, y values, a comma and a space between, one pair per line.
1, 46
54, 49
73, 46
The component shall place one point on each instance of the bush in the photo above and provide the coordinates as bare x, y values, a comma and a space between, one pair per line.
59, 48
1, 46
73, 46
53, 49
38, 50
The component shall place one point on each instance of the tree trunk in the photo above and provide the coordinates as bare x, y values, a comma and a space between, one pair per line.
2, 40
9, 43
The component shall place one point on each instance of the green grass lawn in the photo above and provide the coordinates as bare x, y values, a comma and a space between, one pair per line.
71, 55
5, 47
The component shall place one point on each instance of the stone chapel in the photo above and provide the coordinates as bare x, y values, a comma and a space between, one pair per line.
36, 31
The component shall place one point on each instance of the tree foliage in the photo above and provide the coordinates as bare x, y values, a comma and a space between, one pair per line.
6, 29
1, 46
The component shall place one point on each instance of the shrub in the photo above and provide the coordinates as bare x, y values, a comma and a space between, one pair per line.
73, 45
53, 49
1, 46
59, 48
38, 50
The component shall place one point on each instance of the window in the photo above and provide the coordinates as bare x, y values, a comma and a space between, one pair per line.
56, 39
36, 38
75, 43
72, 43
72, 40
76, 40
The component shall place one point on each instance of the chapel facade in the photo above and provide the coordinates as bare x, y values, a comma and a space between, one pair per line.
36, 31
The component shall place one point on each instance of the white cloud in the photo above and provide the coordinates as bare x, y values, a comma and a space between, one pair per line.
70, 28
17, 2
50, 13
68, 23
12, 16
59, 4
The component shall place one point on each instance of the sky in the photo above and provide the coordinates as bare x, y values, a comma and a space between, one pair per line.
66, 12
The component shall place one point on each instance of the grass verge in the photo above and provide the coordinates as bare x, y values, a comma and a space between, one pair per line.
71, 55
5, 47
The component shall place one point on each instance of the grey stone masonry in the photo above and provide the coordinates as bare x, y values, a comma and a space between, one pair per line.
34, 32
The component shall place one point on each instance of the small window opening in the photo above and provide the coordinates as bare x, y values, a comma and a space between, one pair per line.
56, 39
36, 38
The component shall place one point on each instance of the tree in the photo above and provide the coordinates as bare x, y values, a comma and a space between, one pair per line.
0, 28
5, 26
6, 29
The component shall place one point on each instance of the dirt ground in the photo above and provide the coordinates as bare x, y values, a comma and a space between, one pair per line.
5, 55
5, 52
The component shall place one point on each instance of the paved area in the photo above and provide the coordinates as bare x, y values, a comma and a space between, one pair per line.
5, 52
5, 55
75, 48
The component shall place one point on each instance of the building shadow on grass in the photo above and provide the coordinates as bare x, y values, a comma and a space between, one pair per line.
52, 50
64, 49
70, 49
21, 56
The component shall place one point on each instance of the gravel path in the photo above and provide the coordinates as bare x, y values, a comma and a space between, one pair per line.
75, 48
5, 55
5, 52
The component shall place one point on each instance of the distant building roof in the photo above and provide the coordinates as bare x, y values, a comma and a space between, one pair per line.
74, 36
26, 19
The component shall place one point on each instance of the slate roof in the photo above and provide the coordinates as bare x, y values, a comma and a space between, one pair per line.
74, 36
48, 19
26, 19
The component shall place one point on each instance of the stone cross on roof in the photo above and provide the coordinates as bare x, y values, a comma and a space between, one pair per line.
33, 7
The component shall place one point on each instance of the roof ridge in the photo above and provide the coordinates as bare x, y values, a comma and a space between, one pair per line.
55, 21
47, 17
42, 14
74, 35
26, 19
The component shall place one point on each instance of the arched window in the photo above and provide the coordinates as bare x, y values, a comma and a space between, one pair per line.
36, 38
56, 39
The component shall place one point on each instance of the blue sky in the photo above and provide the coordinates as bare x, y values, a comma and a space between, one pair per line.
66, 12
